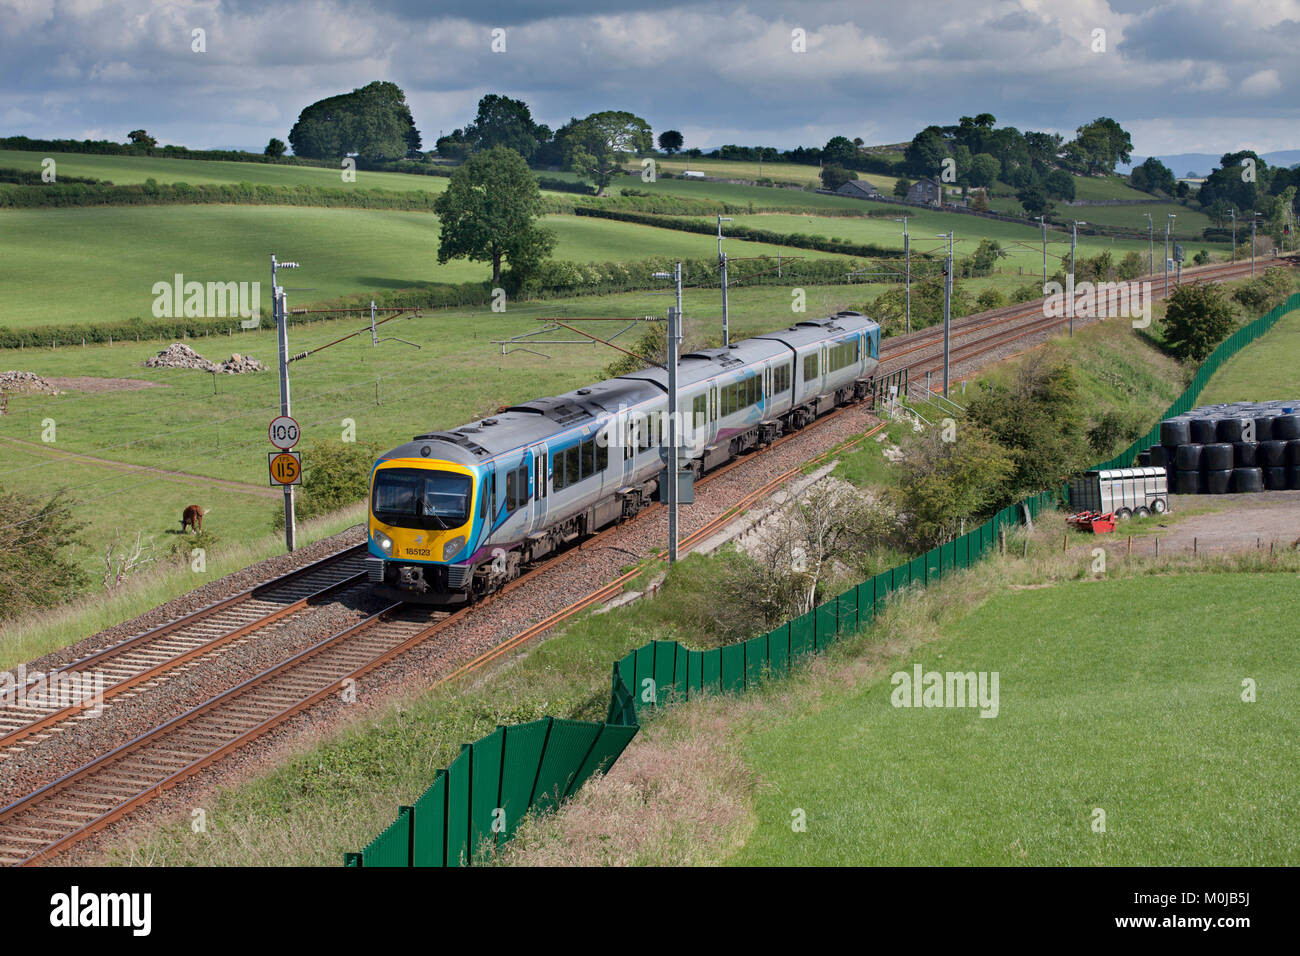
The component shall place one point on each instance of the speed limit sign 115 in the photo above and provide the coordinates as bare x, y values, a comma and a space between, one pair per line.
284, 432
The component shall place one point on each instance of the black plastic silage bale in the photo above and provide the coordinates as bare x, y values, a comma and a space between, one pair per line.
1248, 479
1175, 432
1293, 453
1272, 454
1144, 459
1294, 478
1160, 456
1216, 481
1243, 454
1188, 482
1286, 427
1276, 479
1204, 431
1264, 428
1216, 457
1230, 429
1188, 457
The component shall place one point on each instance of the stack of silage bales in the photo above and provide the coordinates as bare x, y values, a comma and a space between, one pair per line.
1216, 449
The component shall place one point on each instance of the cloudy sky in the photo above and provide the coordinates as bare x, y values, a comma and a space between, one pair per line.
1183, 76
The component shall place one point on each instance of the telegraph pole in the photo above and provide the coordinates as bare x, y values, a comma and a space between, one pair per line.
671, 459
279, 308
947, 309
1234, 233
722, 270
907, 273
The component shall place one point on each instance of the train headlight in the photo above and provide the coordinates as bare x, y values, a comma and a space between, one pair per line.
385, 542
451, 547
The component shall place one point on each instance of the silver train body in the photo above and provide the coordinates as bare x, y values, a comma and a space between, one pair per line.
456, 514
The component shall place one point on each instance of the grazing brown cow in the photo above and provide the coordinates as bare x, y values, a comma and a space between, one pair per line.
192, 518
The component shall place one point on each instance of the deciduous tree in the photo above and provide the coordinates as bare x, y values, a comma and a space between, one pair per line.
489, 213
597, 145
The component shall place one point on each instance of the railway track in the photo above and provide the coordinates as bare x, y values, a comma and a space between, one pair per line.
1013, 322
56, 701
109, 787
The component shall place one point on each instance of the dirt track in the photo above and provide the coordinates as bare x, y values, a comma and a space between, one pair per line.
1237, 523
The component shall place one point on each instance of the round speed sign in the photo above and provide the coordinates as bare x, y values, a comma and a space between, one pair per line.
284, 432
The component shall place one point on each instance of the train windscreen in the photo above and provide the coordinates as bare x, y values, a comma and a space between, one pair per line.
419, 498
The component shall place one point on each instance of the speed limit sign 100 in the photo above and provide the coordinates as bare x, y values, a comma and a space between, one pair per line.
284, 432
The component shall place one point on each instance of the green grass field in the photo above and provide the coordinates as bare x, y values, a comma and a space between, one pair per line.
1120, 695
106, 260
1106, 187
1023, 244
128, 170
1265, 372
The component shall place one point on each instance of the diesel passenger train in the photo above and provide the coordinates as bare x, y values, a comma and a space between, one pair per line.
456, 514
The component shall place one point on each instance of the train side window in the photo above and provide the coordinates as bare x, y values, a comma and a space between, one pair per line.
588, 457
698, 410
483, 496
809, 368
602, 452
516, 488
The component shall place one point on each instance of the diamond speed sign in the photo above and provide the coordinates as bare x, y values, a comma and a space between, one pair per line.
284, 432
286, 467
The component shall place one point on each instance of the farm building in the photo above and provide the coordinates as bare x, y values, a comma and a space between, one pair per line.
859, 189
926, 191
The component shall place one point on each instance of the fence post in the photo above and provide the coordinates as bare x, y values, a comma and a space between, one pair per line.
410, 832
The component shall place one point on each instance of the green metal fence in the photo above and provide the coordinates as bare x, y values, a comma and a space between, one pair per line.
478, 801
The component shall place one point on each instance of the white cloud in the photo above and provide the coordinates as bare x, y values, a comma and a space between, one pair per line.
1263, 83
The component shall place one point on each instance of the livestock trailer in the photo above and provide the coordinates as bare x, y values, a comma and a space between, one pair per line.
1124, 491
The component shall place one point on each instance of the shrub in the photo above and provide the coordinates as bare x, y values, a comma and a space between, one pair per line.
942, 482
1131, 266
1197, 318
335, 474
1027, 293
1037, 416
34, 569
990, 299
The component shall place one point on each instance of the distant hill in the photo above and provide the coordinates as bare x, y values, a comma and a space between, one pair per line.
1200, 164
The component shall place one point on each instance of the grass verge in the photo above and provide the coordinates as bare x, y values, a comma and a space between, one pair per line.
1121, 693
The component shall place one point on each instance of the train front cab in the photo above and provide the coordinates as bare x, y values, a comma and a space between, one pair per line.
423, 518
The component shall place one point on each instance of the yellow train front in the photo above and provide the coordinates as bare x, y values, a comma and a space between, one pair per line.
424, 514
